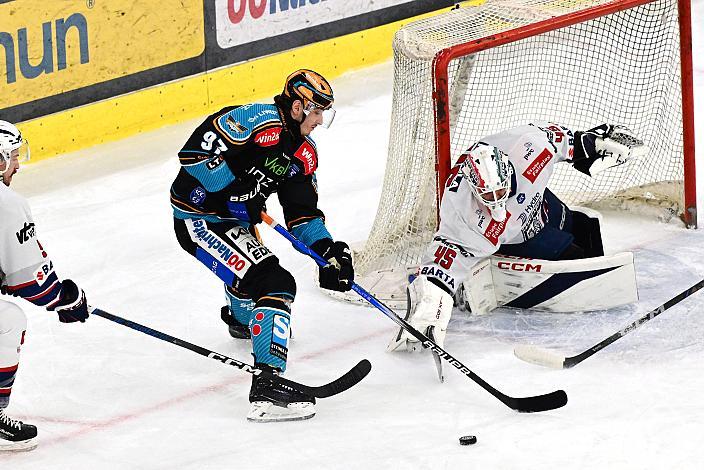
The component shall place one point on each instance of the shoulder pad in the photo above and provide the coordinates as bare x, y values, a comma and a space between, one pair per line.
238, 124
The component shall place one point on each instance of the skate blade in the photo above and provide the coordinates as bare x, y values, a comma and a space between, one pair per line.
18, 446
267, 412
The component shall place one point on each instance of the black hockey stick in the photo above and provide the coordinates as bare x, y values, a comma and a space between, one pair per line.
351, 378
545, 402
543, 357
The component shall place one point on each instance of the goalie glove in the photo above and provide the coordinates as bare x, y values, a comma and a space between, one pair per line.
604, 147
428, 310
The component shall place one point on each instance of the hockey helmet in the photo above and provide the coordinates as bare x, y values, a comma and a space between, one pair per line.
11, 142
489, 174
314, 92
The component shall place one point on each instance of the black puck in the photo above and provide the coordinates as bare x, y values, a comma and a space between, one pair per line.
468, 440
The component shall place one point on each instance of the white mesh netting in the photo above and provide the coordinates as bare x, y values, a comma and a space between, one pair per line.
621, 68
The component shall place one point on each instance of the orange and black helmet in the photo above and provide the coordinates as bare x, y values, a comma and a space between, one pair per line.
310, 87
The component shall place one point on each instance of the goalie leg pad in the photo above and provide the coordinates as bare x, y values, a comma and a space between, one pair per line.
428, 310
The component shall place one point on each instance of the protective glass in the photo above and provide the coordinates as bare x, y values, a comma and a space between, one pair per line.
21, 152
327, 114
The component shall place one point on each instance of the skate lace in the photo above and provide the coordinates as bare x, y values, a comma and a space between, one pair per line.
15, 423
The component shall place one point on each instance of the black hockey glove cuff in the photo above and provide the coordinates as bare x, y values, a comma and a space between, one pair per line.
73, 306
339, 274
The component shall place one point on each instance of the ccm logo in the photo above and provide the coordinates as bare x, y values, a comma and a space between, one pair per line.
519, 266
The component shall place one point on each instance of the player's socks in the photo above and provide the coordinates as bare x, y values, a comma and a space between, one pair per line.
237, 330
274, 402
16, 435
237, 314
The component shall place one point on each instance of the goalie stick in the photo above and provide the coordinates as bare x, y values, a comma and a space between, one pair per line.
544, 357
351, 378
549, 401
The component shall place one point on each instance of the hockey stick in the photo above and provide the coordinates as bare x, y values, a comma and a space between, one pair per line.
351, 378
543, 357
545, 402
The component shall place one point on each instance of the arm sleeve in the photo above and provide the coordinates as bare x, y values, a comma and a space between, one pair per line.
28, 272
456, 247
299, 200
554, 137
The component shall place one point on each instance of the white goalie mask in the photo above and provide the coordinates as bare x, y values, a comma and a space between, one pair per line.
489, 173
12, 144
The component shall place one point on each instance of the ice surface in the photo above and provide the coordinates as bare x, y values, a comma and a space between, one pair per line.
107, 397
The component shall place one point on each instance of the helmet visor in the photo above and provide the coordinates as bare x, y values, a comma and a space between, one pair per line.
19, 152
328, 114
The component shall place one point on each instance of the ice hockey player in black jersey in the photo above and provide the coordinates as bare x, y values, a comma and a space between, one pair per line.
230, 165
25, 271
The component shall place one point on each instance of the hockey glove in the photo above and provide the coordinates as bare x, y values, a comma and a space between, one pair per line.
72, 307
428, 311
246, 201
339, 274
604, 147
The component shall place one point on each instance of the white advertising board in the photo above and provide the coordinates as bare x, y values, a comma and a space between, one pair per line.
244, 21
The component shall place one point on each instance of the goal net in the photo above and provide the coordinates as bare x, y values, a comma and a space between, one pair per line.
474, 71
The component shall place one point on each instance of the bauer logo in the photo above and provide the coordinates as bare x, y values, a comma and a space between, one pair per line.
536, 167
307, 155
268, 137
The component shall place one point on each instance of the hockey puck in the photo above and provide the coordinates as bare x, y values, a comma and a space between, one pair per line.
468, 440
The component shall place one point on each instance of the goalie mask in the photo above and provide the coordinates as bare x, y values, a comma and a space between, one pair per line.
489, 174
314, 92
12, 144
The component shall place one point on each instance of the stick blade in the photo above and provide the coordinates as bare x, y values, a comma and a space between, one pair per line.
549, 401
350, 379
539, 356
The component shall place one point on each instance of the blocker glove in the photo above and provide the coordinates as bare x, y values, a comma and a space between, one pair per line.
246, 201
339, 274
73, 306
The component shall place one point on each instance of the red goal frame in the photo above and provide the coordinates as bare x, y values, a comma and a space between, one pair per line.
442, 60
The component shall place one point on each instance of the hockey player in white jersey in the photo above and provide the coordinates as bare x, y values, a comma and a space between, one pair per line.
25, 271
496, 200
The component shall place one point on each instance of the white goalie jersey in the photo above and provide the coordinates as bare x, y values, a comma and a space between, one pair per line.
467, 232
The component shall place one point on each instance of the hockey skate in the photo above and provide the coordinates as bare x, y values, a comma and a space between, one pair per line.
274, 402
237, 330
16, 435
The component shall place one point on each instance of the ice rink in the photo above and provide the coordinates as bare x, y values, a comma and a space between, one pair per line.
106, 397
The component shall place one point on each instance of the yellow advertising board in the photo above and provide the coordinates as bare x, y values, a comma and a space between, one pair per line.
50, 47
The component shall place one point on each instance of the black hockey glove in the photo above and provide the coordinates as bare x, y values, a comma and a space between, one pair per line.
246, 202
72, 307
604, 147
339, 274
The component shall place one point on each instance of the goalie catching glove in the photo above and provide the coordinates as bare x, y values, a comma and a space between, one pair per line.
339, 274
428, 310
604, 147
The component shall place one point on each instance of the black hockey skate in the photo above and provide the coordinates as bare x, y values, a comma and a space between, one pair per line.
272, 401
237, 330
16, 435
